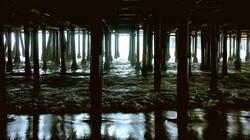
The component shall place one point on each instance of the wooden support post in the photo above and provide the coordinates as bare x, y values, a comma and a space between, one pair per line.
157, 54
83, 48
163, 45
247, 47
6, 44
31, 46
117, 53
130, 48
74, 66
237, 59
63, 51
9, 65
230, 58
22, 44
214, 45
68, 49
220, 45
224, 64
106, 63
168, 56
53, 49
17, 59
182, 76
234, 42
110, 47
48, 46
160, 129
138, 63
27, 52
36, 86
190, 47
3, 96
44, 48
150, 48
195, 60
144, 50
203, 43
79, 44
132, 43
57, 60
176, 47
35, 124
208, 49
89, 46
96, 78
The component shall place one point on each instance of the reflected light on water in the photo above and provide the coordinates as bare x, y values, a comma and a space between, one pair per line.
129, 125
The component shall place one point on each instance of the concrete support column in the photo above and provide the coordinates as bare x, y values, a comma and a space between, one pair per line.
83, 48
9, 65
117, 53
150, 48
44, 48
230, 58
195, 60
224, 64
238, 43
214, 49
63, 51
96, 78
36, 86
157, 54
17, 59
27, 52
79, 44
74, 66
247, 47
182, 75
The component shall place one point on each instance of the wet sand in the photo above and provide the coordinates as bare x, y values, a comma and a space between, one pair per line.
125, 90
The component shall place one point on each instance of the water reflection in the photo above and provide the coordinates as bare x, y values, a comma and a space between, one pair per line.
151, 125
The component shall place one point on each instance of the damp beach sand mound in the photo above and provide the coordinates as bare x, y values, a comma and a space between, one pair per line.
124, 90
